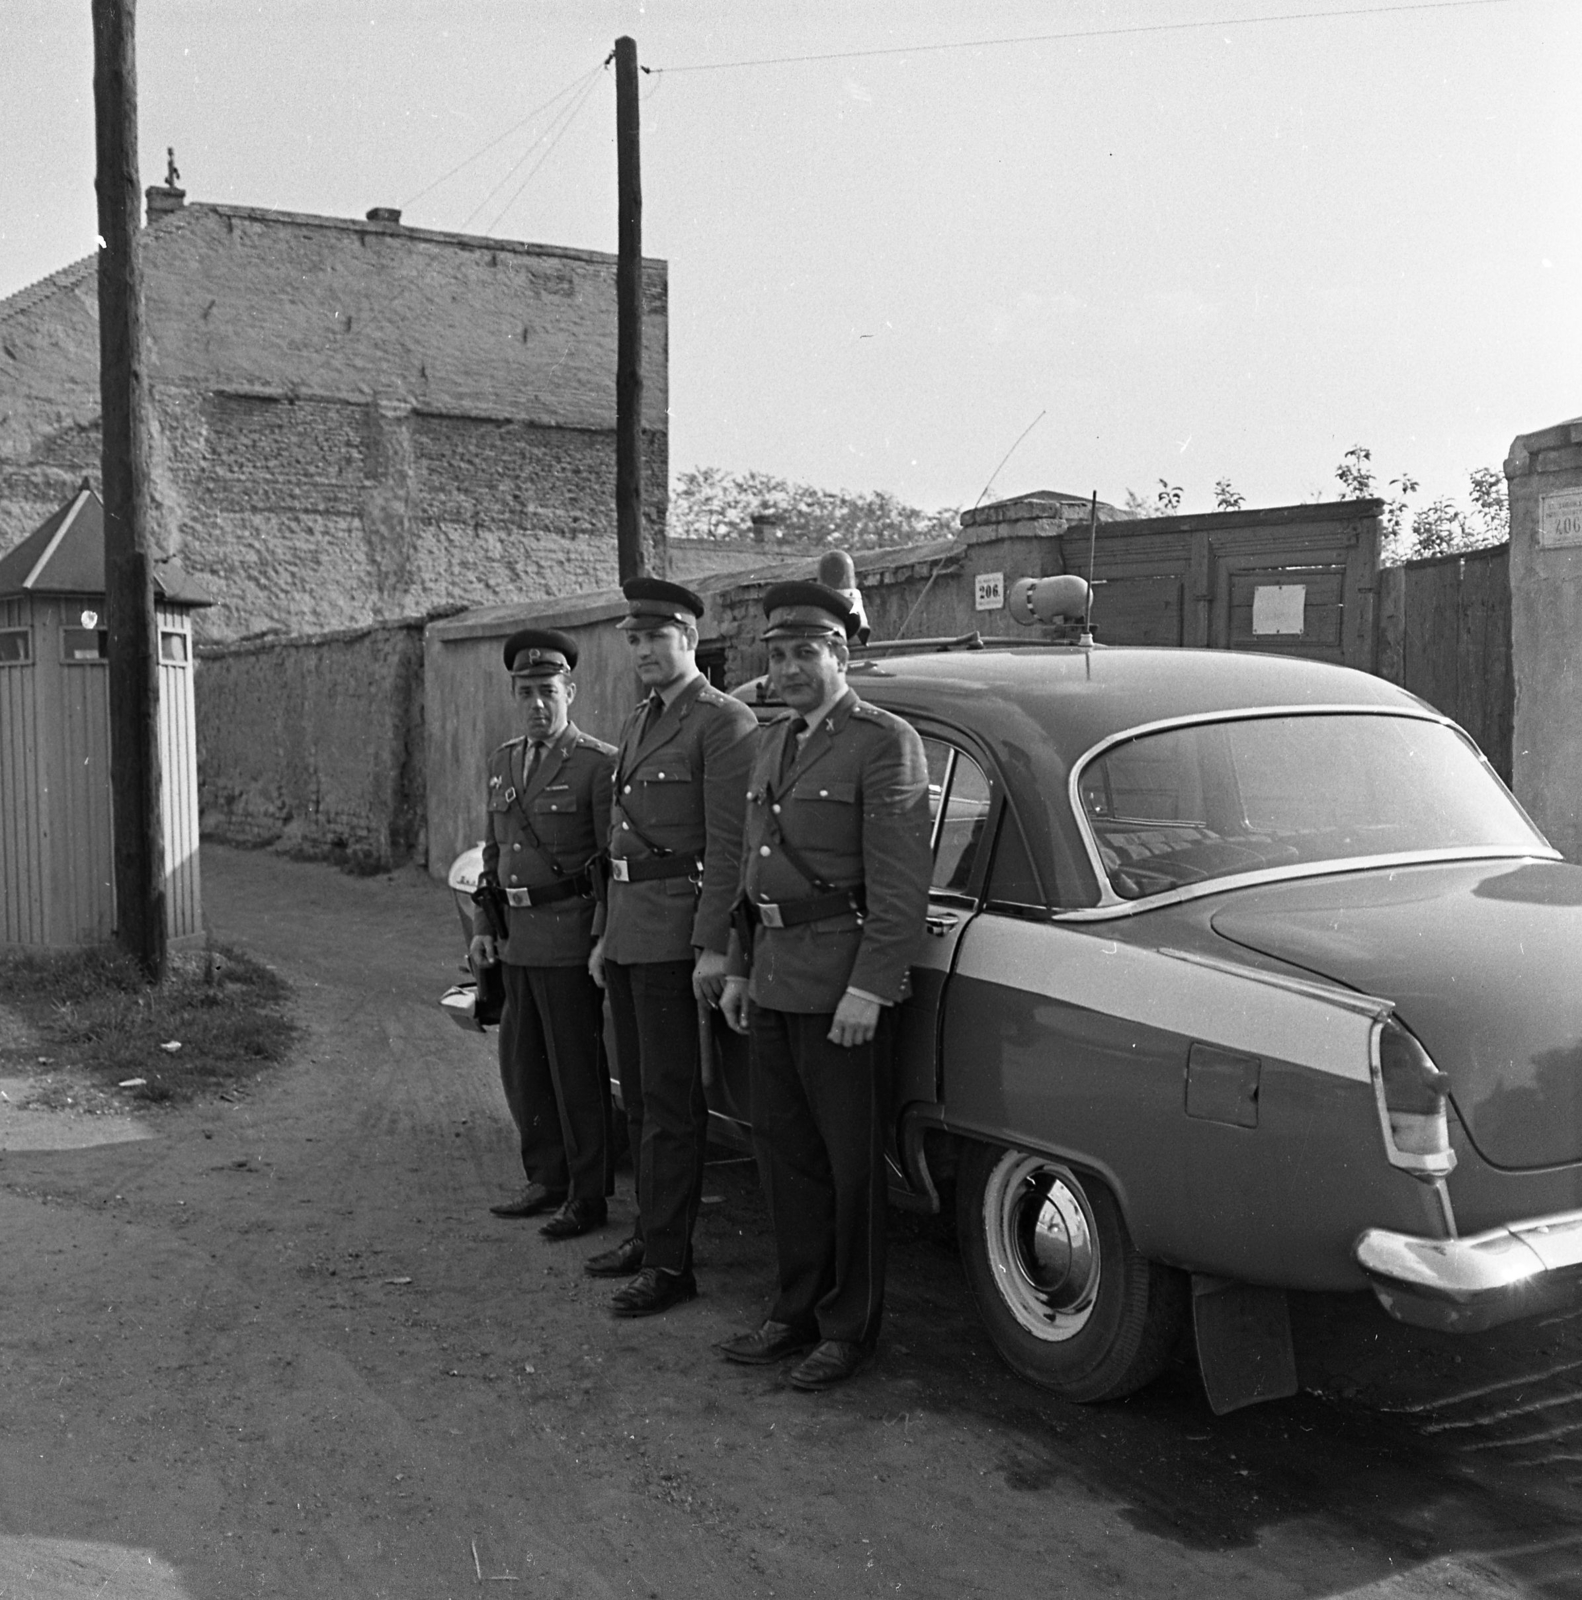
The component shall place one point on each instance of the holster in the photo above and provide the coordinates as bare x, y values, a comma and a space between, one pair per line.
490, 900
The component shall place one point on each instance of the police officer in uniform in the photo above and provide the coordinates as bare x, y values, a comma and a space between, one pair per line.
835, 873
549, 798
675, 842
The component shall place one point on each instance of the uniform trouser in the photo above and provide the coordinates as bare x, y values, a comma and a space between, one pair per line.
655, 1019
818, 1124
552, 1071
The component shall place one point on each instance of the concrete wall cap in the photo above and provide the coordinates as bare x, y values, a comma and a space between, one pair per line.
1525, 447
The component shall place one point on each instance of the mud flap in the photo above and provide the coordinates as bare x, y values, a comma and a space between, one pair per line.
1244, 1348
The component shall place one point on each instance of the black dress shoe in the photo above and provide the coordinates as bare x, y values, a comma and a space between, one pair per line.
832, 1362
576, 1217
621, 1262
767, 1344
653, 1291
533, 1199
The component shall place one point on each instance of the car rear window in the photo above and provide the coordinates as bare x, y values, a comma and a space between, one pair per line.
1186, 805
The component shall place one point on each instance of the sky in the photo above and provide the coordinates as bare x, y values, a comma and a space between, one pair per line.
1189, 241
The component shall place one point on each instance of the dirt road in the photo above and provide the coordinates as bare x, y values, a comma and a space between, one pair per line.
280, 1348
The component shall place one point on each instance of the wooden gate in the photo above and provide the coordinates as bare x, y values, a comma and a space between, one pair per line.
1292, 580
1445, 634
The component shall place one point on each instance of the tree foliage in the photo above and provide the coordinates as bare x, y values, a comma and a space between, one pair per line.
708, 503
1439, 528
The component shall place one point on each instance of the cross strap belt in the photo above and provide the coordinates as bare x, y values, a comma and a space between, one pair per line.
645, 869
549, 893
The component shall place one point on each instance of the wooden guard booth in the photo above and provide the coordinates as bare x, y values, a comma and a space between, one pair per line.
57, 876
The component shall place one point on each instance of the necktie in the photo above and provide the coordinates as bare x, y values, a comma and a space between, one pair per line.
656, 709
794, 731
534, 761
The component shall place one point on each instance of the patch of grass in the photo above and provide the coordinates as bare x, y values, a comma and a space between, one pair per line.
95, 1012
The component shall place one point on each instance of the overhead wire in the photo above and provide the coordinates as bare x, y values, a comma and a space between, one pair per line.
566, 121
1086, 33
576, 83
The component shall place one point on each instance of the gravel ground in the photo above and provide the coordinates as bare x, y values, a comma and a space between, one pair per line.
277, 1346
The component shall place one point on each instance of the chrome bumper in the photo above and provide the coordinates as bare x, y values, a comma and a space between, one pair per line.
1468, 1284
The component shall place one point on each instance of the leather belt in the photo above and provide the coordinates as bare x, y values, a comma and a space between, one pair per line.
548, 893
792, 913
645, 869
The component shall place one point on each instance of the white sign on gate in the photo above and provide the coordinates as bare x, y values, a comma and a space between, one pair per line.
1560, 518
991, 591
1279, 608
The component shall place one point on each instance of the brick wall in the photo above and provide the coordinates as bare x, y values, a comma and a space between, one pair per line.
314, 745
352, 420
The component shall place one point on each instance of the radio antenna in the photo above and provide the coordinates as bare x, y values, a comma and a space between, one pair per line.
1093, 537
1008, 454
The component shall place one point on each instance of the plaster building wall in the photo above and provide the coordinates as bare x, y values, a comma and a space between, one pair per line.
314, 745
353, 420
1544, 470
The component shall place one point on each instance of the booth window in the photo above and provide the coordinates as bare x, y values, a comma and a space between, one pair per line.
173, 647
85, 644
16, 647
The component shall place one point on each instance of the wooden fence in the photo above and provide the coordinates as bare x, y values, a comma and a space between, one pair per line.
1445, 634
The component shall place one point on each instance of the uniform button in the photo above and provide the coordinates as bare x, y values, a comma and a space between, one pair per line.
763, 850
513, 877
823, 794
661, 774
627, 789
626, 825
775, 809
516, 847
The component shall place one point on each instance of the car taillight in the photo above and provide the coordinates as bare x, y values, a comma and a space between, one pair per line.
1413, 1096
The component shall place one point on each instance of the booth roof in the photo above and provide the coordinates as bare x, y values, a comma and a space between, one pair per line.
65, 555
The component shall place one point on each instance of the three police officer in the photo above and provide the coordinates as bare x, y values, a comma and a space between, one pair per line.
834, 894
549, 796
674, 846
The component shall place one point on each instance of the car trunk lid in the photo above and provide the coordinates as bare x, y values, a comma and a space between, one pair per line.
1483, 961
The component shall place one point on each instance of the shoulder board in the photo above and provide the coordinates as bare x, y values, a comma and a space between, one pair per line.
784, 716
879, 716
510, 744
586, 741
712, 696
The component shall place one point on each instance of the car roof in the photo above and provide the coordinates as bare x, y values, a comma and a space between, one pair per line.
1081, 696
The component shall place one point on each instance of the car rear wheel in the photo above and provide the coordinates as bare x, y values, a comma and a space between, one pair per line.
1068, 1301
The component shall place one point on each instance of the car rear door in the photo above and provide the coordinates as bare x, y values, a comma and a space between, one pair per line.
964, 806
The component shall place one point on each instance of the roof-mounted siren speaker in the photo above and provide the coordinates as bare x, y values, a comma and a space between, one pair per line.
1056, 602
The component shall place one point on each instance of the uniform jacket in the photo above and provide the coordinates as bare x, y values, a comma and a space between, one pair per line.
854, 807
682, 787
565, 808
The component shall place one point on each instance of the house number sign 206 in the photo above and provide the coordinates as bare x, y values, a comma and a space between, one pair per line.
991, 591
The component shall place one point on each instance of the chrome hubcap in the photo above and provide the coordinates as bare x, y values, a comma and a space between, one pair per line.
1043, 1244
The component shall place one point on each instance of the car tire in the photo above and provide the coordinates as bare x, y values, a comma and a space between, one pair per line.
1068, 1301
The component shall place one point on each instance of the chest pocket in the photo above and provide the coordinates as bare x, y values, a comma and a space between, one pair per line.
813, 790
497, 800
662, 790
546, 805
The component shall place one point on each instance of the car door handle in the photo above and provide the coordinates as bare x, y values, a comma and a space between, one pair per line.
940, 923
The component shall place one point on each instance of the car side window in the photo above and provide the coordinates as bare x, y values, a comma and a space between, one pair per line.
958, 804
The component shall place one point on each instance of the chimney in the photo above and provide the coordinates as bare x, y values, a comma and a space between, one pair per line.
163, 199
766, 527
384, 214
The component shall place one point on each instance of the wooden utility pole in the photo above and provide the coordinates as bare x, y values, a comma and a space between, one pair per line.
631, 557
129, 582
